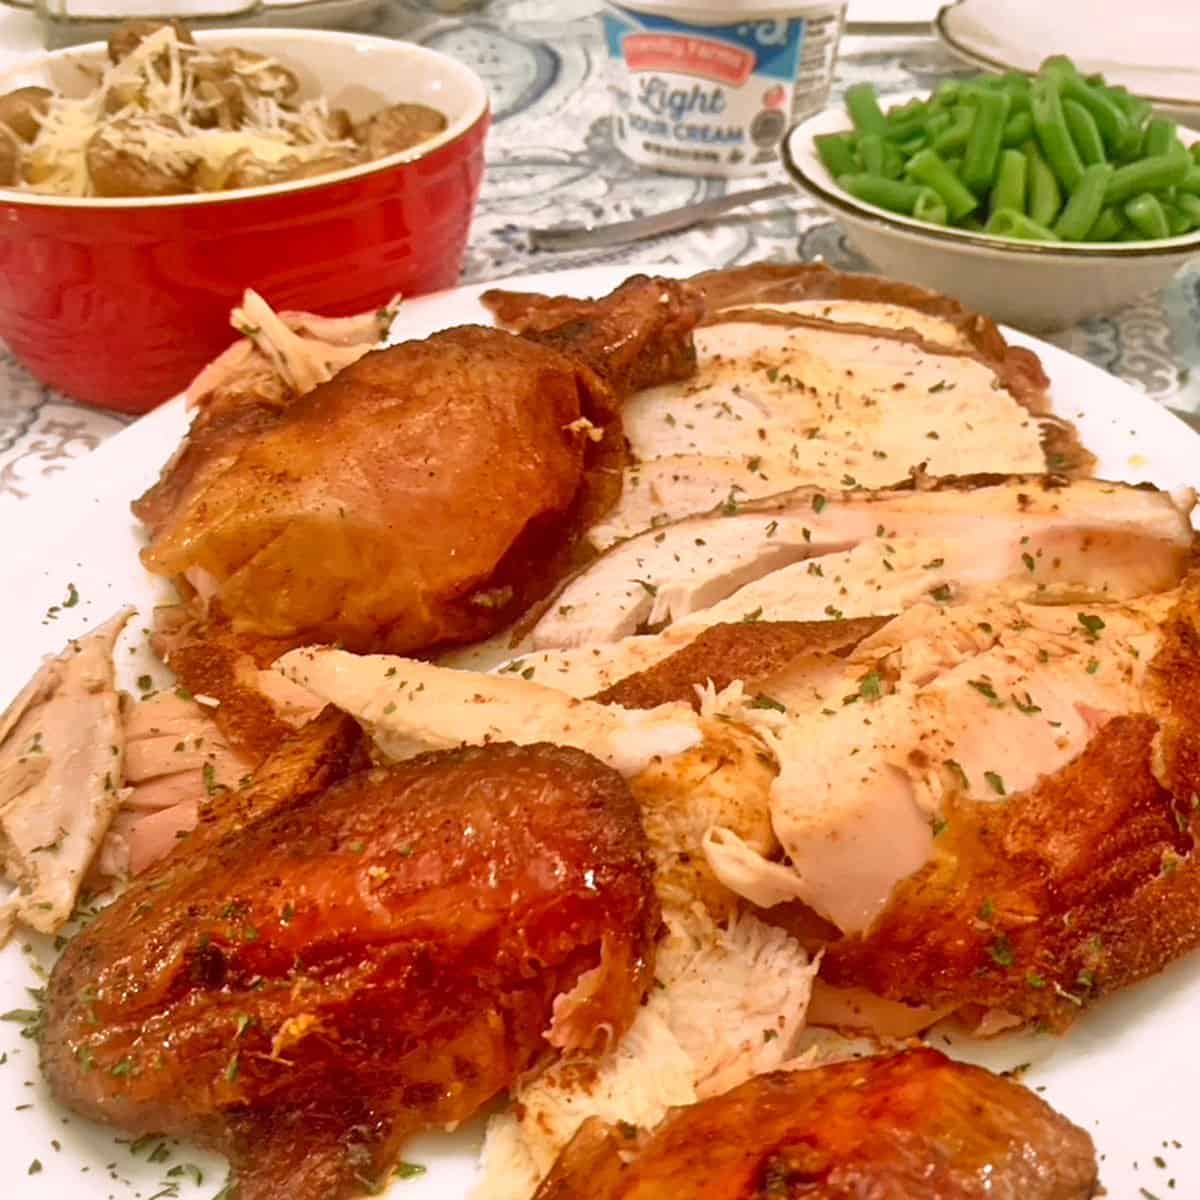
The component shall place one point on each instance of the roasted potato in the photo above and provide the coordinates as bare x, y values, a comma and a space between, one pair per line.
10, 157
398, 127
247, 171
218, 97
126, 38
22, 110
125, 168
260, 75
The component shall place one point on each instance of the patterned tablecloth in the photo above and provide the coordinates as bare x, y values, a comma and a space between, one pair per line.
551, 160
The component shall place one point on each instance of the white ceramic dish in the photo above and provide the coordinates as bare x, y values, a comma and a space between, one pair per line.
1033, 285
1121, 1074
1150, 48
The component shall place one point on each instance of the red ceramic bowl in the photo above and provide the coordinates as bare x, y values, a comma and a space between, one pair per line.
119, 302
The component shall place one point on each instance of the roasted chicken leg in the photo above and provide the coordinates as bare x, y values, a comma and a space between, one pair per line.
304, 991
428, 492
912, 1126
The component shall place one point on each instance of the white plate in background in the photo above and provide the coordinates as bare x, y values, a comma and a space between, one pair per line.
1152, 48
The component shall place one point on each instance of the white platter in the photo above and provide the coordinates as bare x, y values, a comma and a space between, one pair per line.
1124, 1073
1144, 47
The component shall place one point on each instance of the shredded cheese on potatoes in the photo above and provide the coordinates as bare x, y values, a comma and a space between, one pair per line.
159, 79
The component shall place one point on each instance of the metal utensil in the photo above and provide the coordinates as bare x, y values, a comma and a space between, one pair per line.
584, 237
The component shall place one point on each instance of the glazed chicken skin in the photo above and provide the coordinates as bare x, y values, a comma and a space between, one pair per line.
303, 991
425, 494
910, 1126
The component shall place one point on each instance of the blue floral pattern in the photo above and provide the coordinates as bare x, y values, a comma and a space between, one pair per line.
551, 161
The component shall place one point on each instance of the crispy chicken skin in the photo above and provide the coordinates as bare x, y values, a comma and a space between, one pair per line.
303, 991
428, 492
723, 653
1084, 884
910, 1126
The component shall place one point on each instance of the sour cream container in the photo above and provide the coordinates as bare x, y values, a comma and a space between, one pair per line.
708, 88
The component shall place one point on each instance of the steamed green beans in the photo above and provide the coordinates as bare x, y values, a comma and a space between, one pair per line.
1055, 156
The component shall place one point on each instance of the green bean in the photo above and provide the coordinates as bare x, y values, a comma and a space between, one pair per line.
1146, 175
1084, 203
862, 103
1084, 133
930, 207
1007, 222
939, 121
1018, 129
906, 121
1191, 181
893, 160
870, 152
1194, 151
1161, 137
946, 94
836, 151
1106, 226
927, 167
1189, 204
892, 194
983, 145
1045, 197
973, 223
954, 137
1177, 219
909, 148
1052, 134
1009, 189
1114, 126
1146, 215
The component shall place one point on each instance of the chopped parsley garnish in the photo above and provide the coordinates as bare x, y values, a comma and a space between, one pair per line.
407, 1170
1091, 623
649, 588
940, 825
869, 686
1093, 666
753, 615
996, 782
1027, 705
72, 596
1035, 981
984, 688
818, 503
763, 701
933, 564
986, 910
1001, 951
941, 593
771, 527
958, 772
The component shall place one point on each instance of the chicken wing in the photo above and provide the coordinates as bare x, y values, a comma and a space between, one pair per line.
304, 990
911, 1126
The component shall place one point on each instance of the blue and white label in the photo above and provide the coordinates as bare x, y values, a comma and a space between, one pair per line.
702, 99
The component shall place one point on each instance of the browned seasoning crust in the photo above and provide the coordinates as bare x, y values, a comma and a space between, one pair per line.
349, 967
909, 1126
1078, 887
745, 650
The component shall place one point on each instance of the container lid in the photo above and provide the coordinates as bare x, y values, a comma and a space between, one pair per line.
729, 12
